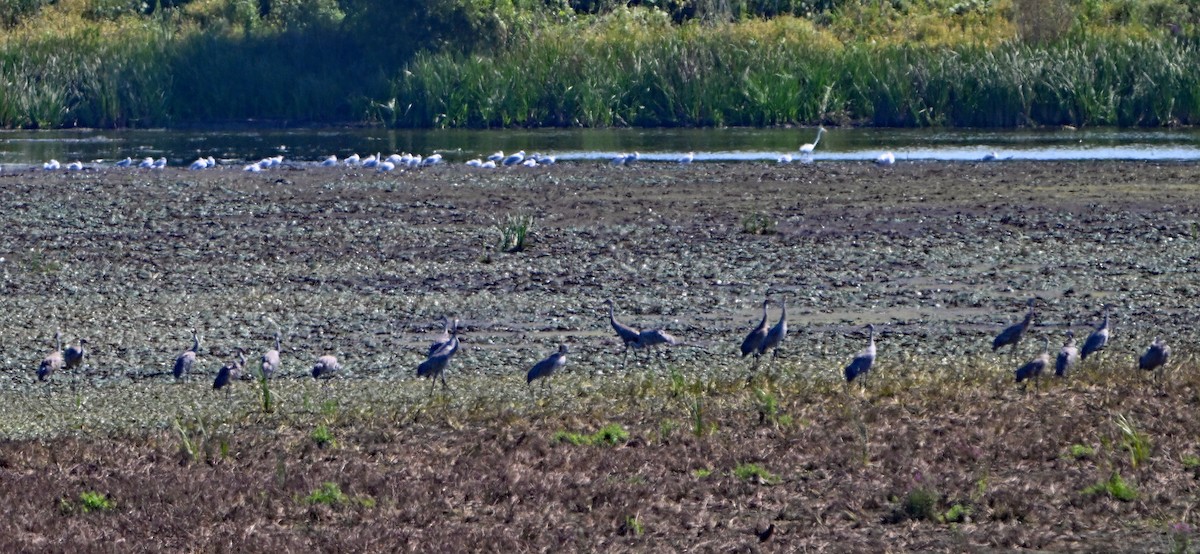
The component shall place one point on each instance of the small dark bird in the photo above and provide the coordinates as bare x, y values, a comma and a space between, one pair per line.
1013, 333
862, 362
326, 367
1098, 339
1033, 369
231, 371
53, 361
765, 534
628, 335
187, 360
753, 342
73, 357
545, 368
1156, 355
1068, 356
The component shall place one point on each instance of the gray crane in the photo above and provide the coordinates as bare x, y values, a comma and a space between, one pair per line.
73, 357
753, 342
545, 368
434, 367
1068, 356
271, 362
1098, 339
1034, 368
653, 338
777, 333
231, 371
1156, 355
326, 367
53, 361
628, 335
1013, 333
862, 362
187, 360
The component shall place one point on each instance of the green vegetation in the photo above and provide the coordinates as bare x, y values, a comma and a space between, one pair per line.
514, 232
611, 435
755, 474
471, 63
957, 513
1115, 486
758, 223
329, 493
1133, 440
1082, 451
920, 503
323, 437
91, 501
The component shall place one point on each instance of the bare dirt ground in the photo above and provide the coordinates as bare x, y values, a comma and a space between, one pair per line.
936, 450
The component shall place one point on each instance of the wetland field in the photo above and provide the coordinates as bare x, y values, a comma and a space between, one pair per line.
688, 449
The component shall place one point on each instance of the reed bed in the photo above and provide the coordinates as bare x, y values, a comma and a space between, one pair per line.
791, 74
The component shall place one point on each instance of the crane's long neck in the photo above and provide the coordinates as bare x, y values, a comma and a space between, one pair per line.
612, 319
58, 342
1105, 324
195, 342
783, 310
277, 341
764, 319
820, 132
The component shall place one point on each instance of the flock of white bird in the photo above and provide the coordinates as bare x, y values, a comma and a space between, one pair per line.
411, 161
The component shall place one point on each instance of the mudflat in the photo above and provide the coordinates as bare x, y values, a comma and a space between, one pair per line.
694, 447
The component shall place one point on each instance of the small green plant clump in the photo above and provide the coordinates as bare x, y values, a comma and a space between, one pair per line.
756, 474
329, 494
323, 437
611, 435
514, 232
957, 513
1115, 487
758, 224
89, 501
920, 503
1082, 451
632, 526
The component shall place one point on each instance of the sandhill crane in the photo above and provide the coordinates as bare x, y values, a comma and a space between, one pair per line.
444, 338
514, 159
330, 161
326, 367
53, 361
125, 163
1034, 368
777, 333
545, 368
270, 359
434, 366
862, 362
1098, 339
231, 371
1156, 355
1013, 333
628, 335
1068, 356
754, 341
807, 149
653, 338
73, 357
187, 360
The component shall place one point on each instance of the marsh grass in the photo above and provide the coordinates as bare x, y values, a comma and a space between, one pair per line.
514, 232
1114, 487
610, 435
755, 474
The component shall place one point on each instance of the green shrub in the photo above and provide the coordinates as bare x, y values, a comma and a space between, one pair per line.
754, 473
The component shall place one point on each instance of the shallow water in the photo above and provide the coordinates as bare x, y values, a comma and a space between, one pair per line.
180, 147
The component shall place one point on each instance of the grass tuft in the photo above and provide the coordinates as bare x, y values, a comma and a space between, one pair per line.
611, 435
91, 501
323, 437
514, 232
758, 223
1115, 487
755, 474
329, 494
1133, 440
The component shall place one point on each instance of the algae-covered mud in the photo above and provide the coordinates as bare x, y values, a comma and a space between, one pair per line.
936, 449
